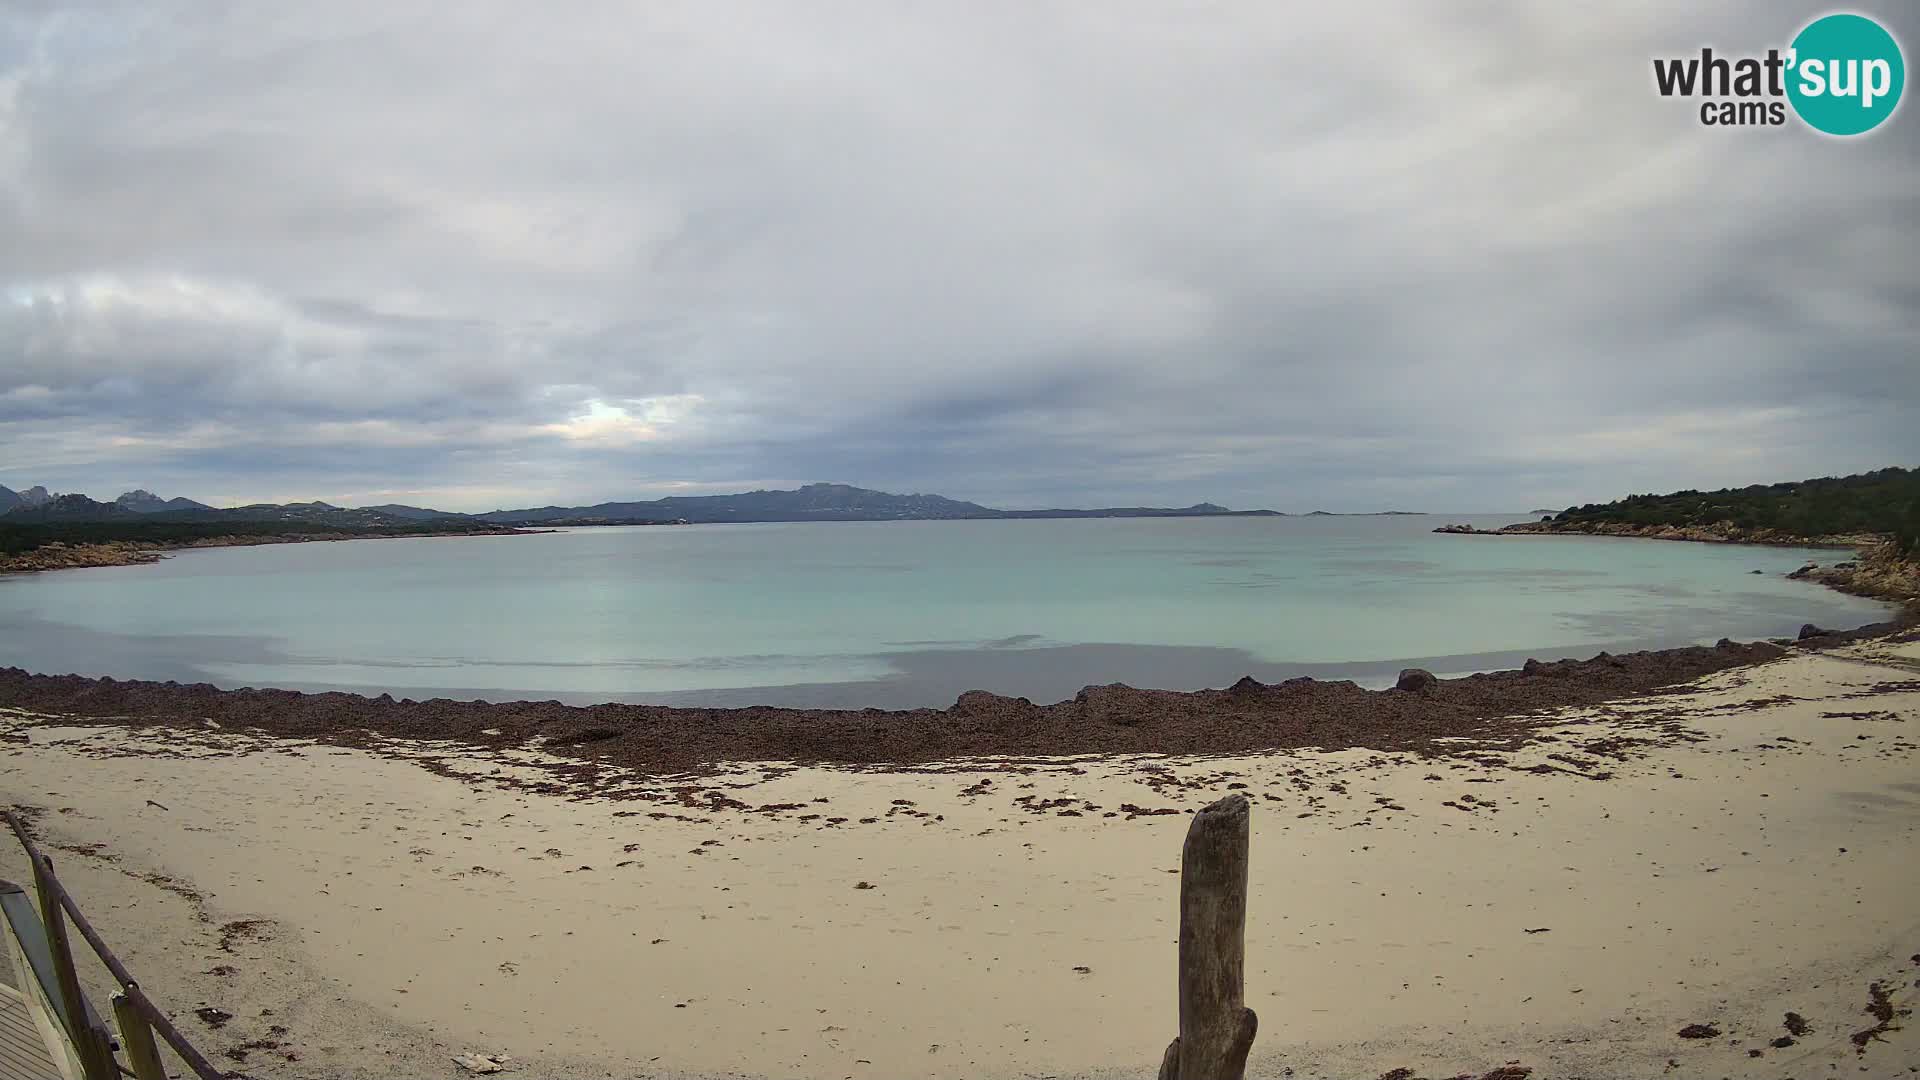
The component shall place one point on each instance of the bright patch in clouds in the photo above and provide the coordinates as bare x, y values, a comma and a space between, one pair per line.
634, 421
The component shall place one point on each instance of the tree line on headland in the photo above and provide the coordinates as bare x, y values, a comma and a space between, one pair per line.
1885, 502
16, 539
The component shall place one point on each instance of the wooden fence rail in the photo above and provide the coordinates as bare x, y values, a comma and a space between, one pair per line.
138, 1018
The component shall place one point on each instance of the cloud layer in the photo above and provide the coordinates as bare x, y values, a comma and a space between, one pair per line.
1428, 256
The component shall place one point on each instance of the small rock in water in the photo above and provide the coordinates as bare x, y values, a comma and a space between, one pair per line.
1808, 630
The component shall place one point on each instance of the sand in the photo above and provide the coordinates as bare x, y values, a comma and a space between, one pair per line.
361, 912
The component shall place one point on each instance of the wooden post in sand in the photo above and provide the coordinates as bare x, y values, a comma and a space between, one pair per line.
1216, 1027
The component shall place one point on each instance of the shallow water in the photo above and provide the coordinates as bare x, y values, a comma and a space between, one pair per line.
894, 614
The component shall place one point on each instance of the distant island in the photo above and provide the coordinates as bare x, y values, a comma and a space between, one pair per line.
825, 502
1368, 513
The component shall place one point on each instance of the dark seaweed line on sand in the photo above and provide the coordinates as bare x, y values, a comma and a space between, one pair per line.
1495, 709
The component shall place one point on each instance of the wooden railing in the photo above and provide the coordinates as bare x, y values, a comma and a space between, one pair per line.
48, 950
1216, 1027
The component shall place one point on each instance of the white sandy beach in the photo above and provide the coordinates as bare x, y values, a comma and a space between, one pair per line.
371, 917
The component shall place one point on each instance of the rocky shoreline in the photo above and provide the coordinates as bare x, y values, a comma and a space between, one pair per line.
1422, 715
63, 556
76, 556
1724, 532
1876, 571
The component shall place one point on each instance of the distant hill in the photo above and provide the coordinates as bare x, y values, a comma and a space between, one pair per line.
71, 507
820, 502
142, 501
67, 508
412, 513
79, 508
32, 497
312, 513
814, 502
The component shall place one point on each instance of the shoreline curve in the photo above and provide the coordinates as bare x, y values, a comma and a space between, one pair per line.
1423, 714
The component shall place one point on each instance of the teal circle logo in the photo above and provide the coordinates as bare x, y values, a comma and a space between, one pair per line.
1845, 74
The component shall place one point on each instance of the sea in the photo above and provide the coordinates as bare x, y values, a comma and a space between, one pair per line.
899, 614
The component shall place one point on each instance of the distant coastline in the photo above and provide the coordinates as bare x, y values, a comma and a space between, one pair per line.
134, 550
62, 555
1721, 533
813, 502
42, 530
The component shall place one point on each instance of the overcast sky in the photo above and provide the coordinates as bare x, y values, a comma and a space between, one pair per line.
1410, 255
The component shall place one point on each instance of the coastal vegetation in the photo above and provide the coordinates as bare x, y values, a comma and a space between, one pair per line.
57, 545
17, 539
1885, 502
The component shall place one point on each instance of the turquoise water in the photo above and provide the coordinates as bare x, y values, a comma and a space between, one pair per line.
896, 613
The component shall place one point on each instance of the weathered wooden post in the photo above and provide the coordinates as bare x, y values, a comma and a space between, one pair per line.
136, 1038
1216, 1027
89, 1043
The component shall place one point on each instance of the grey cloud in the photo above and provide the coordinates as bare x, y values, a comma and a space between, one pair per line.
1063, 253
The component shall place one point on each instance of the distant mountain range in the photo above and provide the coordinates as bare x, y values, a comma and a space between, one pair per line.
138, 501
822, 502
30, 498
142, 501
814, 502
132, 507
